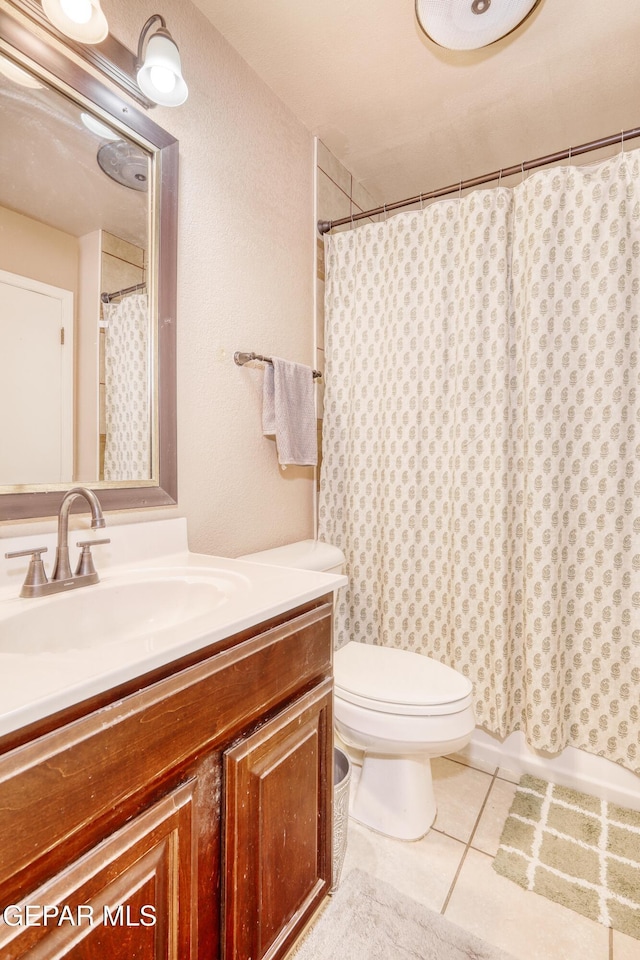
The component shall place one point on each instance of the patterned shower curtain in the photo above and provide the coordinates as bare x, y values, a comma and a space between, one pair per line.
128, 431
481, 447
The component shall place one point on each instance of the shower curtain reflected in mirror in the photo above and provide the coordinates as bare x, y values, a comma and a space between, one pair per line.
481, 457
127, 453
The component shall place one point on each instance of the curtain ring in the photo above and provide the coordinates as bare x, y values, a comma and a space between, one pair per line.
622, 141
421, 207
570, 149
384, 207
522, 170
500, 177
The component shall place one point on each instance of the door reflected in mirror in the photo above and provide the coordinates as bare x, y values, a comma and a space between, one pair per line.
77, 330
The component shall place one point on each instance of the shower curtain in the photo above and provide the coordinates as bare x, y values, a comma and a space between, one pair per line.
481, 447
128, 436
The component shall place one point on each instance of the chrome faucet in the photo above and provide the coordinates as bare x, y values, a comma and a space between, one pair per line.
36, 583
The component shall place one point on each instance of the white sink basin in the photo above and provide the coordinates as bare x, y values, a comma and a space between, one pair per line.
114, 610
156, 604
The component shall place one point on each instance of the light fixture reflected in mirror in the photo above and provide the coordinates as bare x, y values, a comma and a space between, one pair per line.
81, 20
471, 24
96, 126
159, 69
16, 74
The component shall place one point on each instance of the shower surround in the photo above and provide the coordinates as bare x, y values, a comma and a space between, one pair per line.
480, 448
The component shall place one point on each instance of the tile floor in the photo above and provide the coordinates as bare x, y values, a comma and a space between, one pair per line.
450, 871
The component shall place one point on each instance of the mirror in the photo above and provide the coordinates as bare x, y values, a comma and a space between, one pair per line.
88, 197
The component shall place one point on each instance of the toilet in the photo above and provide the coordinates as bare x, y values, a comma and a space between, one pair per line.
396, 708
401, 709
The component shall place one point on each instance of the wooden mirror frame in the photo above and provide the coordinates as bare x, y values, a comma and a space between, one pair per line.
22, 506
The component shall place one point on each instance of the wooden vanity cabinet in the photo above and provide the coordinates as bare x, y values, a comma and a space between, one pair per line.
189, 818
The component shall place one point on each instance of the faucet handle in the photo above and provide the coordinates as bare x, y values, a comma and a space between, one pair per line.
34, 552
85, 563
36, 576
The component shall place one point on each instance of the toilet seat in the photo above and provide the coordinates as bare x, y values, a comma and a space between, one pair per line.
395, 681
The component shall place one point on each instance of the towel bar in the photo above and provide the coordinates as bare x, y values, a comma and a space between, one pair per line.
241, 358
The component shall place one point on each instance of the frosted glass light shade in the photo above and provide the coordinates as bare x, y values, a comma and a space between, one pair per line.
470, 24
16, 74
98, 127
160, 76
81, 20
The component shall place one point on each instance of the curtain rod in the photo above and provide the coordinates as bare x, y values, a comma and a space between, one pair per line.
324, 226
108, 297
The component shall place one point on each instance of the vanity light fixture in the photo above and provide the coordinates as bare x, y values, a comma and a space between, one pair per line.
159, 69
471, 24
81, 20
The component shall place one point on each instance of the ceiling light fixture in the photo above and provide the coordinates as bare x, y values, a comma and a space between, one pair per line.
470, 24
159, 69
81, 20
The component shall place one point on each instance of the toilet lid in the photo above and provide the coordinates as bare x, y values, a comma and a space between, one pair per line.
390, 676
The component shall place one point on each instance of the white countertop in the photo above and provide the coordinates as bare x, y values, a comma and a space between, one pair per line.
47, 675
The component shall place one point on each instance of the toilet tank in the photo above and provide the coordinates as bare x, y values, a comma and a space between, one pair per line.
303, 555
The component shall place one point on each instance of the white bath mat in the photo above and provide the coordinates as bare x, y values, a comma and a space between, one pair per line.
370, 920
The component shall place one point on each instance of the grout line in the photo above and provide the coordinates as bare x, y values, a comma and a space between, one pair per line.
468, 843
475, 826
470, 766
453, 882
508, 780
349, 197
334, 182
123, 259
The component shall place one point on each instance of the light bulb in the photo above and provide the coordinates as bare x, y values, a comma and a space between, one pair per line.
77, 10
159, 70
82, 20
163, 79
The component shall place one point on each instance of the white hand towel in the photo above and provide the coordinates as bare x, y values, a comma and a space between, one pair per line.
288, 412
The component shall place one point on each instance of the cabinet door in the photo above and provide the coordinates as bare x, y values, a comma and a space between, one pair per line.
128, 897
277, 828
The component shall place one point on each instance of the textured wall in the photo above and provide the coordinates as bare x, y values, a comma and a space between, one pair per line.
32, 249
245, 281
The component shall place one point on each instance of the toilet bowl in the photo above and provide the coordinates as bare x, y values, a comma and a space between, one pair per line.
396, 708
400, 709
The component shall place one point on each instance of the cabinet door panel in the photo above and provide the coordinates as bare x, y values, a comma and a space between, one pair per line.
128, 897
277, 855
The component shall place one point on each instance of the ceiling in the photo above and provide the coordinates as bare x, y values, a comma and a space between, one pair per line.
406, 116
57, 180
